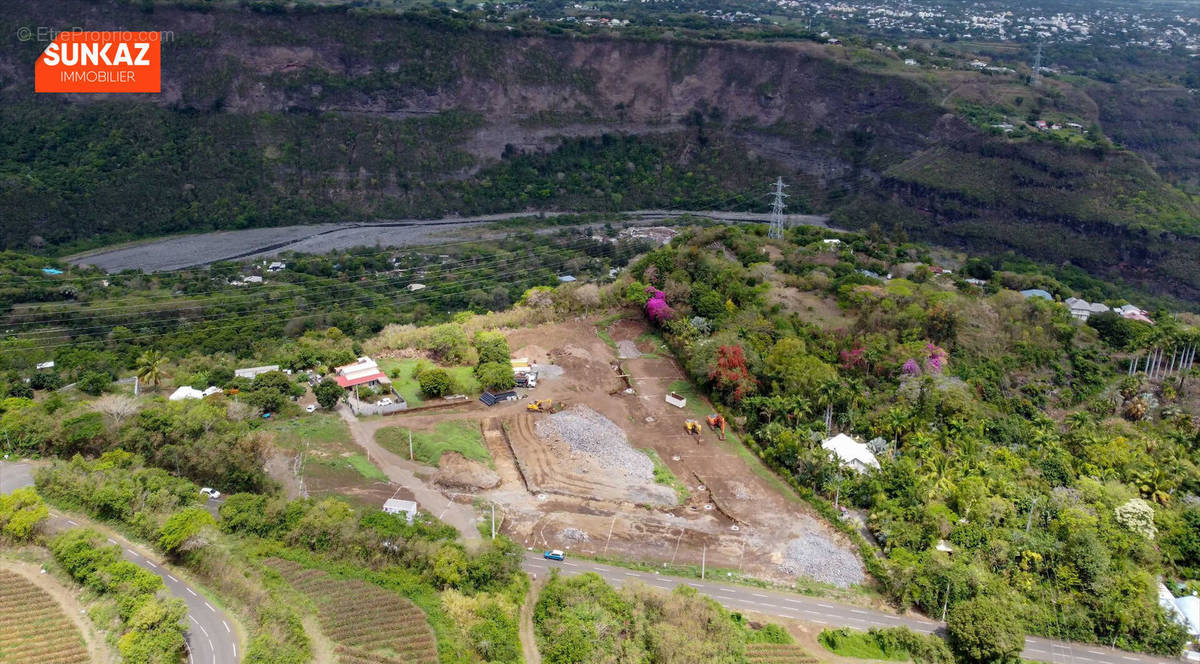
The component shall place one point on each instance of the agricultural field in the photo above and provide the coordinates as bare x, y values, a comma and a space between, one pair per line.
368, 624
34, 628
777, 653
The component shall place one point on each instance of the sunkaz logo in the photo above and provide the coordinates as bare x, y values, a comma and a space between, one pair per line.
90, 62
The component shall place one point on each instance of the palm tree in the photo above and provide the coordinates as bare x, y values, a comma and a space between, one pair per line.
151, 367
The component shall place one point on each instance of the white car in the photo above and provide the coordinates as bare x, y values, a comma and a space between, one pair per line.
211, 493
310, 408
386, 401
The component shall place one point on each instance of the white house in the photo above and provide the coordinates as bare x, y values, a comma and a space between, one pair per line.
1184, 610
412, 288
189, 392
396, 506
851, 453
363, 371
1082, 309
45, 365
276, 266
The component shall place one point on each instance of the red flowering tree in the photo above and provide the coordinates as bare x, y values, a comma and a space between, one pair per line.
731, 376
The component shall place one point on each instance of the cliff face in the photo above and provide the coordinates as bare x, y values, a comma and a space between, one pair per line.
269, 119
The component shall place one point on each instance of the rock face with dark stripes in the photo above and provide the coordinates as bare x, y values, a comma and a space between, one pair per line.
368, 624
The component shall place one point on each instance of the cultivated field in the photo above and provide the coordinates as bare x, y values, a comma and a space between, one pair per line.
368, 624
772, 653
33, 627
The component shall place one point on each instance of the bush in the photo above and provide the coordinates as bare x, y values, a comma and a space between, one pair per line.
328, 393
20, 513
496, 376
985, 631
434, 382
94, 382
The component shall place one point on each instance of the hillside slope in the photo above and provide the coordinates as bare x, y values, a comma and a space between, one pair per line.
268, 119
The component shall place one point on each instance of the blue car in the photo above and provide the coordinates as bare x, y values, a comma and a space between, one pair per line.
554, 555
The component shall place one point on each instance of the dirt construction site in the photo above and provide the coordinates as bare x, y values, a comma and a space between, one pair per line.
576, 476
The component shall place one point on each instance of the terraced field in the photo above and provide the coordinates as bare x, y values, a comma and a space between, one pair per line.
774, 653
369, 624
33, 627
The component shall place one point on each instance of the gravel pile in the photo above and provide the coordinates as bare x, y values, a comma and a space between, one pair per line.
574, 535
820, 558
591, 433
627, 349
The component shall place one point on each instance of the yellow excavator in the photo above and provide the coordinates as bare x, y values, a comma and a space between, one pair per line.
693, 427
540, 406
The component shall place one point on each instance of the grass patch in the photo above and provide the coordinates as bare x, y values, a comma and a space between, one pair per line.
664, 476
327, 432
462, 436
365, 468
400, 371
860, 645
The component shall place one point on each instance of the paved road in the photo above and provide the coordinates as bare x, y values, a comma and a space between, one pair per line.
827, 612
210, 636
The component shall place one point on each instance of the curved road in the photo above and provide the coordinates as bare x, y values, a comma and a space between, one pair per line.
828, 612
210, 637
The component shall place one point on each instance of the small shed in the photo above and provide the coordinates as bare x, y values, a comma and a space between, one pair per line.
396, 506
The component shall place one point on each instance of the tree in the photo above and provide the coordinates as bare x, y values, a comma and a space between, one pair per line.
434, 382
984, 630
731, 376
184, 529
117, 407
94, 382
328, 393
20, 513
491, 347
151, 367
792, 371
496, 376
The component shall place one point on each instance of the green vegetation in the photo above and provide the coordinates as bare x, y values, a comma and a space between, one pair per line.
363, 465
462, 436
891, 643
582, 620
469, 599
152, 624
1003, 428
664, 476
405, 375
20, 513
985, 631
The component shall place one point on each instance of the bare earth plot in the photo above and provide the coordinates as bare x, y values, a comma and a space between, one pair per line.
34, 627
553, 495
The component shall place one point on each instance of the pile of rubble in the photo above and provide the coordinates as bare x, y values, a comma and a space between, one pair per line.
819, 558
591, 433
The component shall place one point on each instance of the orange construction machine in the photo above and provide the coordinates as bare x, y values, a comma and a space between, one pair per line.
717, 422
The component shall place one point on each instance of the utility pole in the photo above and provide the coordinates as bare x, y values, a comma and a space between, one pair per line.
776, 230
1037, 65
703, 560
946, 602
493, 520
410, 458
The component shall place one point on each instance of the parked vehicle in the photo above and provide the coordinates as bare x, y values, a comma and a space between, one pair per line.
386, 401
554, 555
211, 493
310, 408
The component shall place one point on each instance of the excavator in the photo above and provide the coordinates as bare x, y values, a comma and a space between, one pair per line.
693, 427
541, 406
717, 422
